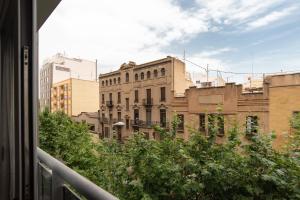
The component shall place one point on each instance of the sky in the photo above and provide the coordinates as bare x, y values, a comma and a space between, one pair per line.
246, 36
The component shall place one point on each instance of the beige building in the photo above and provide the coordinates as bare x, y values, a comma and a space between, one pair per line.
90, 118
263, 110
74, 96
59, 68
136, 97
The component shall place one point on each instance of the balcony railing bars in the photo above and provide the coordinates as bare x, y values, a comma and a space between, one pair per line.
54, 178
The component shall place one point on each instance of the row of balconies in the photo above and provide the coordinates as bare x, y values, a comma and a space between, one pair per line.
146, 102
136, 123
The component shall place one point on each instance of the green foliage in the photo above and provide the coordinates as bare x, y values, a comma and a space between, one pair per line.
173, 168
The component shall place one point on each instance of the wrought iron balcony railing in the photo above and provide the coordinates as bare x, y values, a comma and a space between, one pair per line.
104, 120
56, 179
148, 124
148, 102
109, 104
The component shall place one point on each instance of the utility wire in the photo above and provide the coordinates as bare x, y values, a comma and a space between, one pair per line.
239, 73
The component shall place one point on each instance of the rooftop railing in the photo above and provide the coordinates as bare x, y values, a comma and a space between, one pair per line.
56, 181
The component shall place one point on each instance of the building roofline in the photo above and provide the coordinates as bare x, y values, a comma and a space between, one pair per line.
70, 79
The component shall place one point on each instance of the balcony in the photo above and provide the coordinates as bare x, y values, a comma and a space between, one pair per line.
148, 124
104, 120
109, 104
56, 179
148, 102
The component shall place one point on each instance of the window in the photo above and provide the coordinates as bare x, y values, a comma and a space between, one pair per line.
148, 74
110, 117
216, 124
155, 73
119, 97
127, 123
127, 77
162, 94
110, 82
106, 82
103, 99
148, 117
202, 123
115, 81
136, 96
162, 71
119, 116
127, 104
136, 77
110, 96
136, 116
102, 83
251, 125
181, 123
106, 132
163, 118
119, 80
142, 76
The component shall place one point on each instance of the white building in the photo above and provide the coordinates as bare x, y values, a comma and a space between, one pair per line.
59, 68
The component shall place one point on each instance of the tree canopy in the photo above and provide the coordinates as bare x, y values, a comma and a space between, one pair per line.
173, 168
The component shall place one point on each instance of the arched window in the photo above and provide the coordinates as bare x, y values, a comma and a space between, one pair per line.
136, 77
106, 82
119, 80
110, 81
148, 74
142, 76
102, 83
155, 73
163, 71
127, 77
115, 81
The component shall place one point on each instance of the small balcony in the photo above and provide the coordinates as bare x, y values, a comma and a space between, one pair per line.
109, 104
104, 120
56, 181
148, 102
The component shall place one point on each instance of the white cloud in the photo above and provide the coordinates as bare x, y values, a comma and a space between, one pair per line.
115, 31
272, 17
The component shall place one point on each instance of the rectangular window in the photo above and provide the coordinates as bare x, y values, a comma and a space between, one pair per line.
103, 99
136, 96
110, 96
148, 117
148, 92
181, 123
106, 132
216, 124
163, 118
127, 123
127, 104
119, 97
251, 125
110, 117
162, 94
119, 116
136, 116
202, 123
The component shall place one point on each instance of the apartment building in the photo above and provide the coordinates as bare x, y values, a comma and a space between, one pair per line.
136, 97
74, 96
59, 68
90, 118
264, 110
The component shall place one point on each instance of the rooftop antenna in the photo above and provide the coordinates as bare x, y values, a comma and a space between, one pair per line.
207, 73
96, 70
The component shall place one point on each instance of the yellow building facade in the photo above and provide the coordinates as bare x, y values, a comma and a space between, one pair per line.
73, 96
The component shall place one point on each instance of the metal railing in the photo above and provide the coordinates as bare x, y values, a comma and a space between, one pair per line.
55, 180
148, 102
109, 103
148, 124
